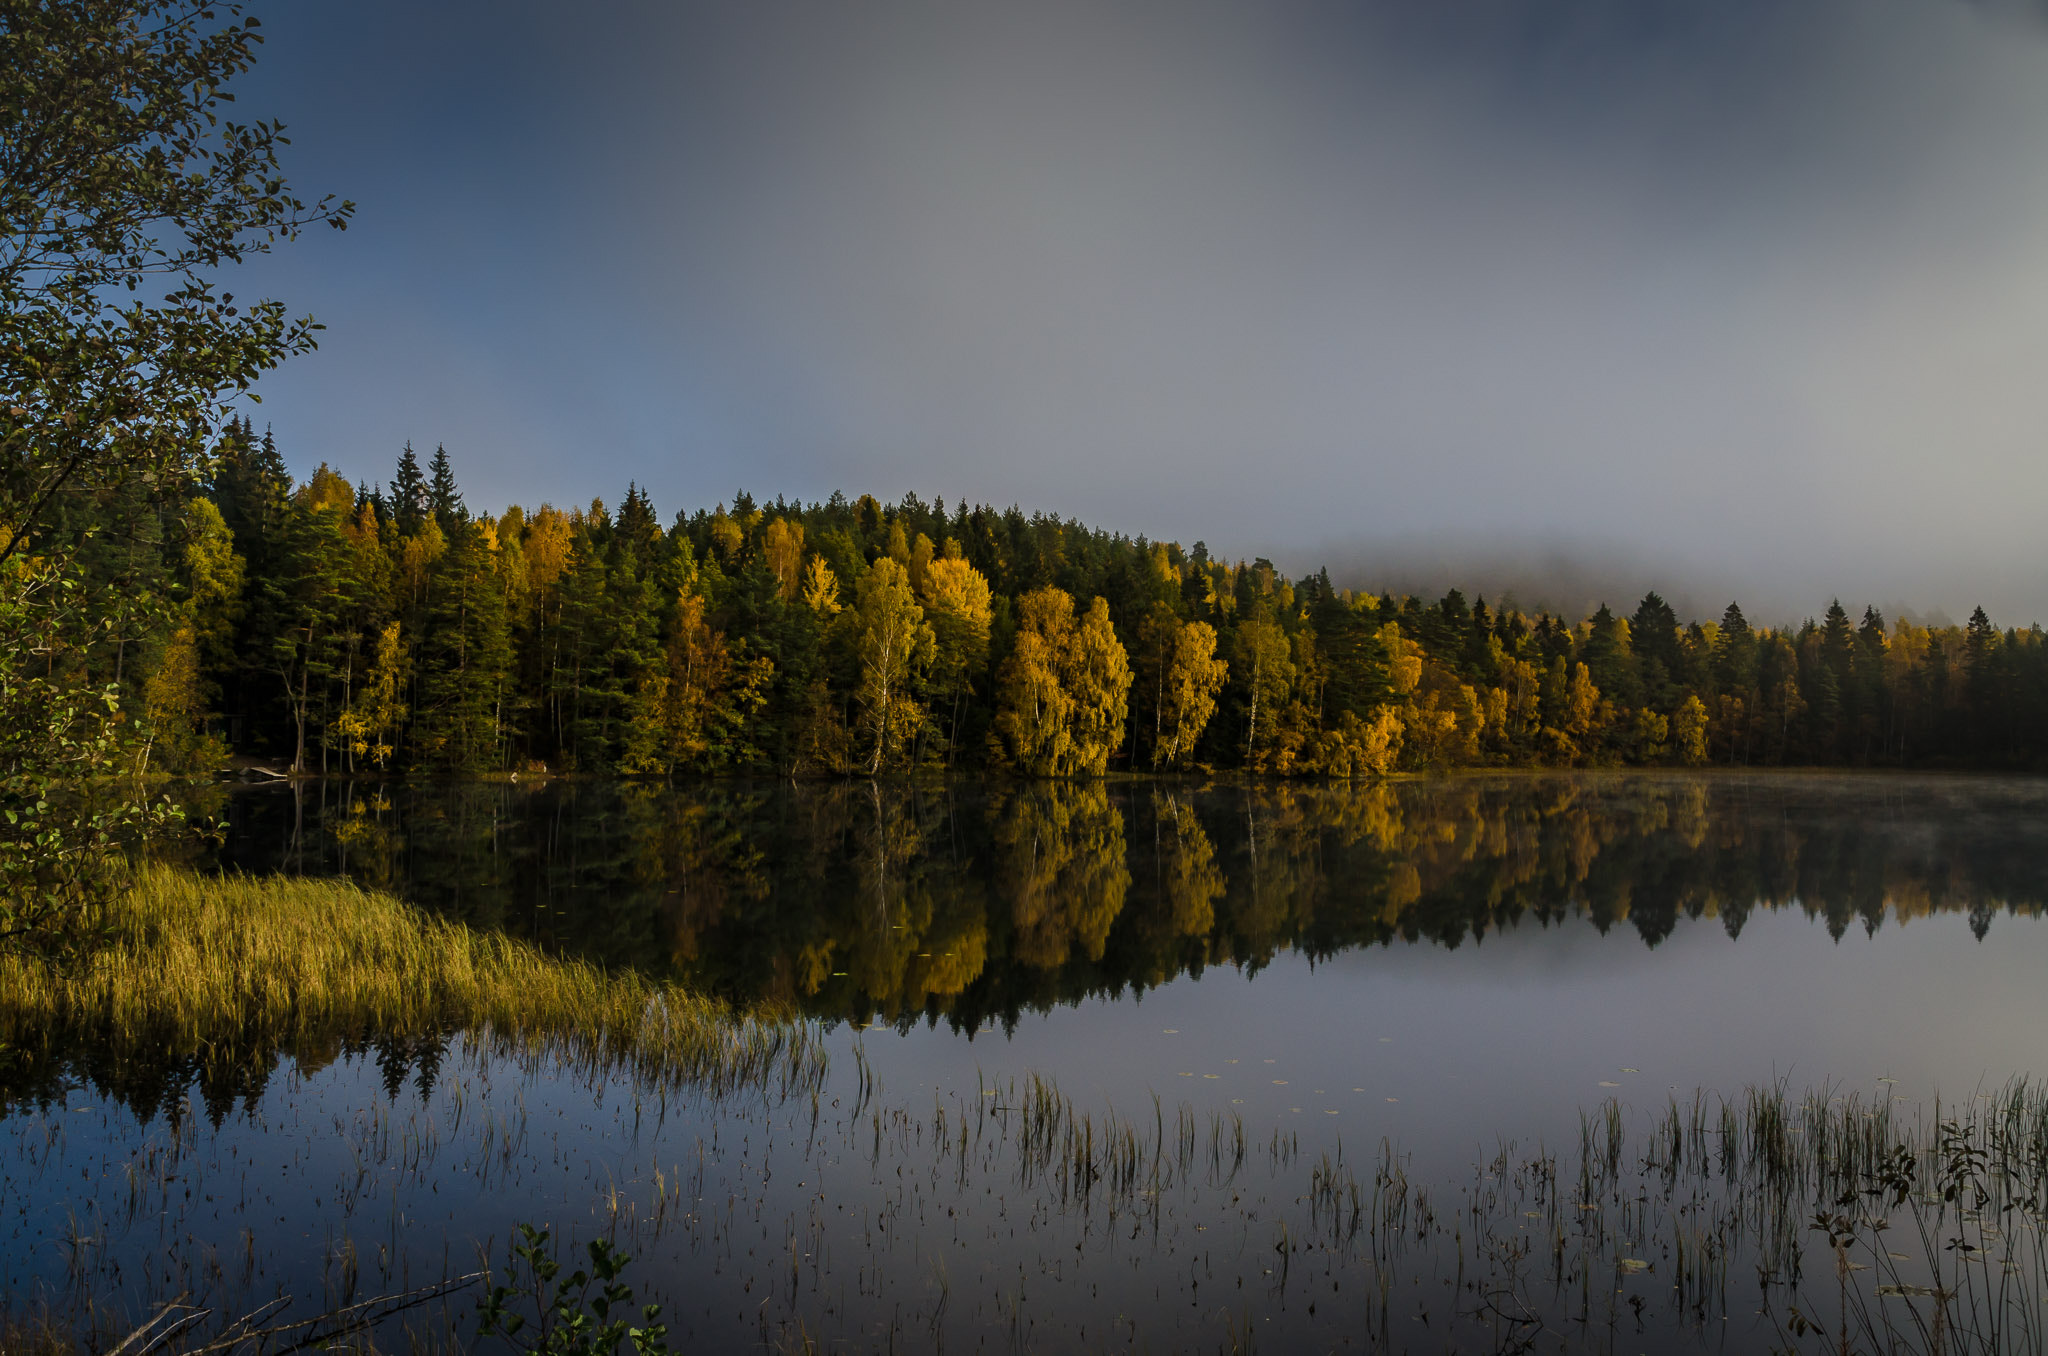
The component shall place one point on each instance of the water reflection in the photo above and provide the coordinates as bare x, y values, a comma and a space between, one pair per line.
970, 903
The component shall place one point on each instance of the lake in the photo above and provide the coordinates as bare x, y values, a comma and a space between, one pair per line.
1488, 1062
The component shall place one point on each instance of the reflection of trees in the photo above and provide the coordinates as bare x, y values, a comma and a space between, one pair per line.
962, 902
1061, 869
902, 902
1190, 879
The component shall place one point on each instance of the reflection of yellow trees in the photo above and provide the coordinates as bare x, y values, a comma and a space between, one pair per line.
1190, 879
1283, 877
1060, 865
910, 931
864, 899
1459, 858
1404, 888
367, 838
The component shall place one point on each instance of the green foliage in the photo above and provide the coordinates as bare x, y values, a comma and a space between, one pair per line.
64, 833
125, 191
584, 1313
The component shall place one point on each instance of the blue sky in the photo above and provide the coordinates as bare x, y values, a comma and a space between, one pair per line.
1731, 299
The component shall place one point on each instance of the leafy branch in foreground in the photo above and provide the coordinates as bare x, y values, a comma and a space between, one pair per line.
64, 836
123, 191
568, 1319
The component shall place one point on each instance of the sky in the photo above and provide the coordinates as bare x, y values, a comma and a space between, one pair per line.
1732, 299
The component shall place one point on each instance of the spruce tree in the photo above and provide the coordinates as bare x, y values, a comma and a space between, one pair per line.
465, 660
409, 502
443, 498
1653, 636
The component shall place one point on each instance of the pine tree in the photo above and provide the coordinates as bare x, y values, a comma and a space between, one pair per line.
1735, 652
249, 487
1653, 636
444, 500
635, 524
300, 603
465, 661
1836, 713
1608, 659
409, 502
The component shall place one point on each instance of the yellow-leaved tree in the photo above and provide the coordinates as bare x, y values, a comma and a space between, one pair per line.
1362, 747
894, 645
959, 606
1689, 729
370, 727
171, 700
1190, 679
176, 693
1064, 693
821, 589
1266, 669
782, 546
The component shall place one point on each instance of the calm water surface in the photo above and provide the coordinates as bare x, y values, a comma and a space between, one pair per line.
1447, 968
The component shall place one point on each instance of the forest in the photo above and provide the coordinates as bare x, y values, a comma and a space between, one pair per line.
345, 628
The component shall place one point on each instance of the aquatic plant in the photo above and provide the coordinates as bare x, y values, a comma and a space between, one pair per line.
230, 968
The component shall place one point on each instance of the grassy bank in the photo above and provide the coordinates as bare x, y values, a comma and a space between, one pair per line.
192, 964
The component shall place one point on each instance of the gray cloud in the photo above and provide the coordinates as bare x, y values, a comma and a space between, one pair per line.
1753, 295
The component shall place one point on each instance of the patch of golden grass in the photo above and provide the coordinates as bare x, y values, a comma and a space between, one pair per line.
192, 963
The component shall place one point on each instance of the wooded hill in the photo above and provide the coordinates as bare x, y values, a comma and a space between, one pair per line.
353, 628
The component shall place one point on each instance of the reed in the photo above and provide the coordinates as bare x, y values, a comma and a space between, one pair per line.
195, 966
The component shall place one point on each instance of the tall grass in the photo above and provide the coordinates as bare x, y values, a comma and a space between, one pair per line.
191, 964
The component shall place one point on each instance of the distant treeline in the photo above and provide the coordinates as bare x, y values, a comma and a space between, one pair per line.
352, 628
